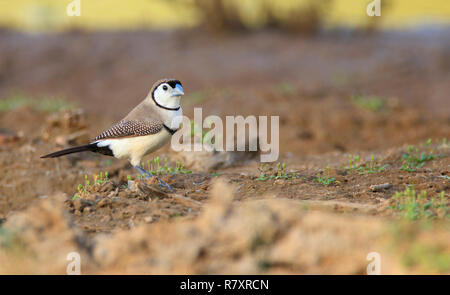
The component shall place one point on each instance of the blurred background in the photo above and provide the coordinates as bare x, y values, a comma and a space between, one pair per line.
48, 15
263, 56
345, 85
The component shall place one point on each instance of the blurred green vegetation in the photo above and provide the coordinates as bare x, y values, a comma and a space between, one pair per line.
45, 104
297, 15
420, 247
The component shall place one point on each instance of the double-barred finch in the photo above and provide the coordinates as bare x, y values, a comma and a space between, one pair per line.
144, 130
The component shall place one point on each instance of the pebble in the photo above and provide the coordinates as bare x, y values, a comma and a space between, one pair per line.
380, 187
80, 204
131, 185
103, 202
106, 219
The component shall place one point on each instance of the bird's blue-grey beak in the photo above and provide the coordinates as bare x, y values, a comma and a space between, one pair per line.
178, 90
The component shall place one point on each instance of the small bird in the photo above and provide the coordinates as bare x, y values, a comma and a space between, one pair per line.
144, 130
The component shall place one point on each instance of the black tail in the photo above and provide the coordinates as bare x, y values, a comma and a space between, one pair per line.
82, 148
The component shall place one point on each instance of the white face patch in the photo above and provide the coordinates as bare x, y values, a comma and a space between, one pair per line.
167, 96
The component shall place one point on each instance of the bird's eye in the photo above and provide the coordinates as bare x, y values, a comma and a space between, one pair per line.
165, 88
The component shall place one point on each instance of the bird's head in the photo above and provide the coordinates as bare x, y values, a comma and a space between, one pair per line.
167, 93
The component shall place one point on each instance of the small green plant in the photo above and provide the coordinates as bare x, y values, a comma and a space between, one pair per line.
83, 189
414, 206
415, 159
325, 179
286, 88
101, 178
155, 167
180, 169
353, 163
371, 103
280, 173
371, 167
263, 168
46, 104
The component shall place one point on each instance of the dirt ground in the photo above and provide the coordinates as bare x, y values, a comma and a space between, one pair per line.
338, 97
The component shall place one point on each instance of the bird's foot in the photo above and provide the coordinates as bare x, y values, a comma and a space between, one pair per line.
148, 175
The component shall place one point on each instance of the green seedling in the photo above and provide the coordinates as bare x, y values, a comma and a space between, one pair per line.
371, 167
286, 88
414, 206
83, 189
325, 180
353, 163
45, 104
415, 159
371, 103
263, 168
101, 178
180, 169
281, 172
155, 167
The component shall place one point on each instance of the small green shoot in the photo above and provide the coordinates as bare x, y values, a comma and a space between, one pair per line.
46, 104
325, 180
155, 167
414, 206
281, 172
83, 189
371, 167
371, 103
286, 88
415, 159
353, 163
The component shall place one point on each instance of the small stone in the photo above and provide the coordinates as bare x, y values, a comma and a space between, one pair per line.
380, 187
131, 185
148, 219
106, 219
80, 204
103, 202
107, 186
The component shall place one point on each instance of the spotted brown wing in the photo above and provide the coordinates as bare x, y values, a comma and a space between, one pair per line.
131, 129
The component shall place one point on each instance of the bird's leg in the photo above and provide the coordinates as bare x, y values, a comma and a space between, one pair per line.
147, 175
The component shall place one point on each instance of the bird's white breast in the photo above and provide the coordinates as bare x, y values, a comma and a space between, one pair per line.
134, 148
